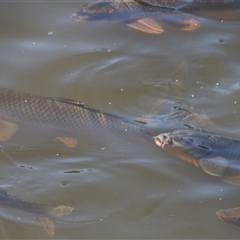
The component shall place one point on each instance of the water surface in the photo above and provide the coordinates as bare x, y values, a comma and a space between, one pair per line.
119, 188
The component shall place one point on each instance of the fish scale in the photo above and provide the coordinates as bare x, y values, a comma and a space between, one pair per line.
24, 107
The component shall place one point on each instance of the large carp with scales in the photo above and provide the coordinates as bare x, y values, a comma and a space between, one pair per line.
146, 15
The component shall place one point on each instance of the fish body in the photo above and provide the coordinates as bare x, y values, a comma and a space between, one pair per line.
31, 207
144, 15
65, 114
44, 213
191, 6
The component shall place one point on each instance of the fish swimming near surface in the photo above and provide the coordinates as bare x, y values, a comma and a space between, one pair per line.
216, 155
146, 15
62, 113
44, 213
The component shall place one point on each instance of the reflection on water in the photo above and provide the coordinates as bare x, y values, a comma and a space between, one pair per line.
119, 188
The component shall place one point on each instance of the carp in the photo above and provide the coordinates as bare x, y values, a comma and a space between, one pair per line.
146, 15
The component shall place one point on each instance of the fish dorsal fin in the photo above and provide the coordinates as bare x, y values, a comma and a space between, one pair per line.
147, 25
67, 100
213, 166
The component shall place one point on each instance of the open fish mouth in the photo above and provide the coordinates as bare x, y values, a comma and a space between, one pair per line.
163, 139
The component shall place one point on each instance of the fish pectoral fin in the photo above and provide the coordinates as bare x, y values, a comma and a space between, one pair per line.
213, 166
147, 25
235, 180
7, 129
69, 142
181, 21
48, 225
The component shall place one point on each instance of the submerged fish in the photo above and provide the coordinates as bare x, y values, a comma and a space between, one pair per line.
44, 213
145, 15
216, 155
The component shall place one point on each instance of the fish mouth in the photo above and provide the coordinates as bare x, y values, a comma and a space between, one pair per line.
163, 140
79, 18
220, 215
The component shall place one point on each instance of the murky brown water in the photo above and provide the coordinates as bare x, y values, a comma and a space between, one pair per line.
120, 188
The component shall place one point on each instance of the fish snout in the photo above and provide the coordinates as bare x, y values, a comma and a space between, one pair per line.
163, 139
78, 18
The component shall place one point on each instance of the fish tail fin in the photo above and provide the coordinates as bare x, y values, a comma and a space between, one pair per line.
48, 225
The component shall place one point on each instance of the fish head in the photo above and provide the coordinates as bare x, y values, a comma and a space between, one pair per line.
104, 10
186, 145
231, 216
